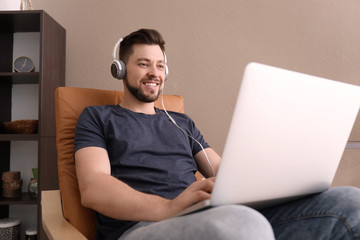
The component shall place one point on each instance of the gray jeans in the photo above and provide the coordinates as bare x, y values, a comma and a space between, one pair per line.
333, 214
225, 222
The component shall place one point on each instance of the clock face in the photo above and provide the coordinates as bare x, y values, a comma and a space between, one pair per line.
23, 64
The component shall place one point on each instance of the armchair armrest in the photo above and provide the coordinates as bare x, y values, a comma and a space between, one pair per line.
53, 221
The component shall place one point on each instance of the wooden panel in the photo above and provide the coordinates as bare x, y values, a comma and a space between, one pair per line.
348, 172
4, 211
20, 21
4, 161
5, 102
55, 225
52, 71
6, 44
20, 78
48, 173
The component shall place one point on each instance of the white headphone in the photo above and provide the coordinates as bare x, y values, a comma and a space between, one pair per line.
118, 68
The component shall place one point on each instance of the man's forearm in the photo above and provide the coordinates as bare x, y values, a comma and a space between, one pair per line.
113, 198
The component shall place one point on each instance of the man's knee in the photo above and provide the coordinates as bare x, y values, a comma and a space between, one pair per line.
225, 222
235, 222
345, 201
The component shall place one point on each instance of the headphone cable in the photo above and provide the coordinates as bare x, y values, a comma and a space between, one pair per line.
174, 122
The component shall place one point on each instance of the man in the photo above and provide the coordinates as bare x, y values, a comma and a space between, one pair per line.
136, 170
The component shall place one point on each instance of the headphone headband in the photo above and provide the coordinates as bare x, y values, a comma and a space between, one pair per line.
115, 47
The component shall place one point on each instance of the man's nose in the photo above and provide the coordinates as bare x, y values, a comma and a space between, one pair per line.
154, 72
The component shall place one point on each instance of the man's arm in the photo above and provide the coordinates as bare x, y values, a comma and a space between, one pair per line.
113, 198
203, 164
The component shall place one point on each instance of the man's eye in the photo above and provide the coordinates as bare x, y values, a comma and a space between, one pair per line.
142, 64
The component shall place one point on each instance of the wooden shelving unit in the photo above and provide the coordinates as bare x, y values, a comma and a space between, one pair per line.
49, 75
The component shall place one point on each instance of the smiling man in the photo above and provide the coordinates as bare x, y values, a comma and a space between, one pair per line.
136, 170
132, 163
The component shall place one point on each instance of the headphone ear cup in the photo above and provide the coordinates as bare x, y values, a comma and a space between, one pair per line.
118, 69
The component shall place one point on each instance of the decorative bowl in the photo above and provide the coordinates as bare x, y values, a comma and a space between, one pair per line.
21, 126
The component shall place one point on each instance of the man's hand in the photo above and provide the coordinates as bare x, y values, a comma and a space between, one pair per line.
196, 192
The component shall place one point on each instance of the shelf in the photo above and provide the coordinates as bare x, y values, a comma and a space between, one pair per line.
20, 21
25, 199
19, 78
19, 137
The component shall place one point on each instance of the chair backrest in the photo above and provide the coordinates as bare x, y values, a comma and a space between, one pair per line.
69, 103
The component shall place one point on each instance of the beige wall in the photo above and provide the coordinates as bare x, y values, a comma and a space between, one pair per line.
209, 42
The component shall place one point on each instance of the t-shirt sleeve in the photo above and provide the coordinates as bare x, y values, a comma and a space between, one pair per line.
199, 137
89, 130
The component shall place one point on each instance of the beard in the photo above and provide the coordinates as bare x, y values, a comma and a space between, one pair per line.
140, 95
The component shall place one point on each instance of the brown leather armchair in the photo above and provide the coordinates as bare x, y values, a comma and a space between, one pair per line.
63, 216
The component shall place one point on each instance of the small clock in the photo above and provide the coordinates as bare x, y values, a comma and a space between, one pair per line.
23, 64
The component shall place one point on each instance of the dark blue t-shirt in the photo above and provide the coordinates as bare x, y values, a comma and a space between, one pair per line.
147, 152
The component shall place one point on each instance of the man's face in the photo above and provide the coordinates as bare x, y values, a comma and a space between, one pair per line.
145, 72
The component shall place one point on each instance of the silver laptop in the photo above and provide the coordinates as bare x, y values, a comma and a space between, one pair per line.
287, 136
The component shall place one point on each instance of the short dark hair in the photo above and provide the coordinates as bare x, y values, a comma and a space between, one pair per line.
142, 36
